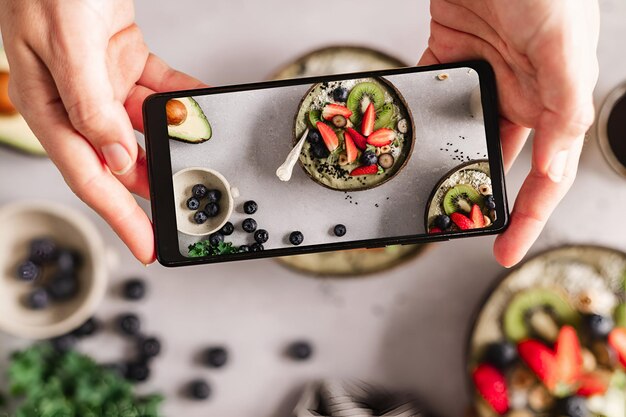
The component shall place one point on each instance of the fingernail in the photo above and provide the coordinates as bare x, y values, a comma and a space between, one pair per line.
117, 158
557, 166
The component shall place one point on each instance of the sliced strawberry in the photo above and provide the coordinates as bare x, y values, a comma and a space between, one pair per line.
569, 360
594, 383
369, 120
328, 135
491, 385
435, 230
477, 216
359, 140
382, 137
462, 221
332, 110
351, 151
617, 340
541, 360
364, 170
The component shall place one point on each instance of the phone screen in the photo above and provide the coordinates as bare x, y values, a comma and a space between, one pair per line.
366, 158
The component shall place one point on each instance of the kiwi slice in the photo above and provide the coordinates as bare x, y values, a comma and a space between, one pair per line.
452, 200
384, 116
314, 116
526, 303
366, 92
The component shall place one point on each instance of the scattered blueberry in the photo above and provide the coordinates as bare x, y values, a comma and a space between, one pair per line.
501, 355
88, 328
340, 94
149, 347
134, 289
490, 202
212, 209
300, 350
28, 271
573, 407
43, 250
193, 203
63, 286
38, 299
599, 326
129, 324
199, 390
244, 248
256, 247
216, 357
250, 207
261, 236
319, 150
314, 137
199, 191
340, 230
216, 238
249, 225
213, 196
64, 343
69, 260
137, 371
296, 238
443, 222
369, 158
227, 229
200, 217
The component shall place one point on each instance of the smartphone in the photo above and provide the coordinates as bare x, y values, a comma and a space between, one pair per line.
360, 160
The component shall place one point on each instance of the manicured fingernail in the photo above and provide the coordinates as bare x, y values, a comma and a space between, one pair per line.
557, 166
117, 158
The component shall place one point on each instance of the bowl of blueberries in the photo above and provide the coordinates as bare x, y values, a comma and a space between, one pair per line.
204, 200
53, 272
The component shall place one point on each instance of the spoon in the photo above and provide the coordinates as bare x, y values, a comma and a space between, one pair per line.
284, 171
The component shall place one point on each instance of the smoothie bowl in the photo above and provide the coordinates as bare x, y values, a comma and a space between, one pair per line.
551, 338
360, 133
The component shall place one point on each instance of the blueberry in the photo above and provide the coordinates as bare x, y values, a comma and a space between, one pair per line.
319, 151
134, 289
212, 209
443, 222
256, 247
64, 343
490, 202
340, 230
250, 207
573, 407
501, 355
216, 238
213, 196
63, 286
296, 238
43, 250
249, 225
227, 229
369, 158
599, 326
137, 371
215, 357
199, 191
129, 324
149, 347
261, 236
200, 217
314, 137
193, 203
28, 271
88, 328
69, 260
340, 94
38, 299
199, 390
244, 248
300, 350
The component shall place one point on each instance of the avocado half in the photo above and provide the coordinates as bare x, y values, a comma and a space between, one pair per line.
14, 131
195, 128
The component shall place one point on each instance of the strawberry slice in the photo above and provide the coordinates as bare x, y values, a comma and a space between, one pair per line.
617, 340
359, 140
491, 385
332, 110
569, 360
541, 360
477, 216
364, 170
435, 230
594, 383
462, 221
369, 120
382, 137
351, 151
328, 135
